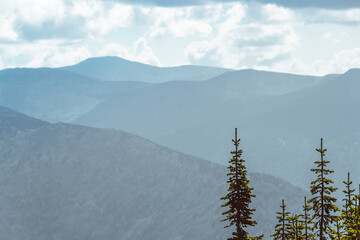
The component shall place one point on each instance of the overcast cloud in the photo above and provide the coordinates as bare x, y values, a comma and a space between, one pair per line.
289, 36
326, 4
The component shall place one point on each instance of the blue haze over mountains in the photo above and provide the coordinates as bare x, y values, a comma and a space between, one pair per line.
63, 181
118, 69
280, 117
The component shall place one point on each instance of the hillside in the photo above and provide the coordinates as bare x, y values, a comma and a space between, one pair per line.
55, 95
13, 123
157, 111
280, 118
64, 181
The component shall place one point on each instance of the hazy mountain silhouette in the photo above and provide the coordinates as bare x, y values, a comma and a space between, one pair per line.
13, 123
280, 118
119, 69
53, 94
62, 181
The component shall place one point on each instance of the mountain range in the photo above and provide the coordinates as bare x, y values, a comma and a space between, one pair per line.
63, 181
281, 117
55, 95
119, 69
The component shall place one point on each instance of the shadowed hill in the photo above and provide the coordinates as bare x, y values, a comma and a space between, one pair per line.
64, 181
13, 123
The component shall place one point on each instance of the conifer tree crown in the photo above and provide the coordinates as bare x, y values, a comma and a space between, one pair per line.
239, 195
322, 202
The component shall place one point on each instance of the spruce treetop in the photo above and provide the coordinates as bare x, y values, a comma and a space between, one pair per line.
282, 229
238, 198
323, 204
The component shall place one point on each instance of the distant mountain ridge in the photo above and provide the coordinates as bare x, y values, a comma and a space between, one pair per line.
171, 108
54, 94
119, 69
62, 181
280, 116
13, 123
64, 94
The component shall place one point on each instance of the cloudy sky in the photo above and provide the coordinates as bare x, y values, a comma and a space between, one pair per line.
306, 37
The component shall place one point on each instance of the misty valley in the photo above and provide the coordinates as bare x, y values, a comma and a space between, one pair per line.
115, 149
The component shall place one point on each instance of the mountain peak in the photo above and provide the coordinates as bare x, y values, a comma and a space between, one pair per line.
109, 60
112, 68
353, 71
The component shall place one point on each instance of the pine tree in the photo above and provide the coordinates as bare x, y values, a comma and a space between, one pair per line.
355, 228
296, 227
307, 219
337, 233
282, 229
348, 212
322, 202
239, 196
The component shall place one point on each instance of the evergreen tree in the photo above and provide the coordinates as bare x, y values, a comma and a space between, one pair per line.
307, 219
355, 227
296, 227
348, 211
239, 196
322, 201
337, 233
282, 229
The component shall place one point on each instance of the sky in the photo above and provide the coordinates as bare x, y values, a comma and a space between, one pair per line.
302, 37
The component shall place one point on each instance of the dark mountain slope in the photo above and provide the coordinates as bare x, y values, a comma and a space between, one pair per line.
13, 123
70, 182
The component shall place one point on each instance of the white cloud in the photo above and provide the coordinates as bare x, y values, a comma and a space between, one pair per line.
24, 20
184, 27
233, 18
115, 49
242, 42
68, 55
207, 13
7, 31
346, 59
43, 53
34, 11
177, 22
346, 17
275, 13
86, 9
236, 35
140, 52
143, 52
102, 19
328, 35
340, 62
